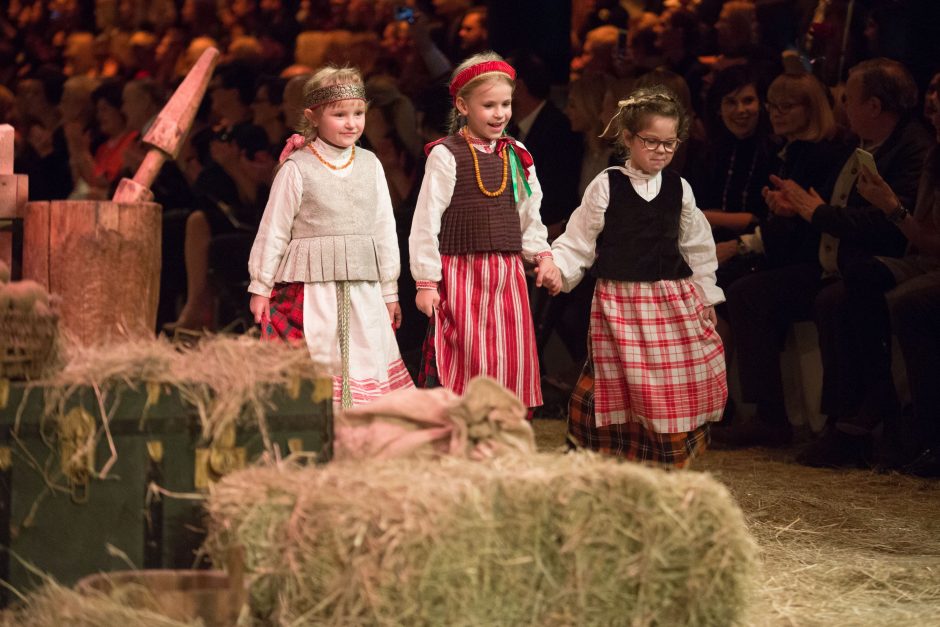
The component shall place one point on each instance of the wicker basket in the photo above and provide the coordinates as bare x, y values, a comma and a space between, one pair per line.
27, 344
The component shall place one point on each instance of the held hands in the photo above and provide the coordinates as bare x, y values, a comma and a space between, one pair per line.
874, 189
260, 306
427, 301
394, 314
548, 275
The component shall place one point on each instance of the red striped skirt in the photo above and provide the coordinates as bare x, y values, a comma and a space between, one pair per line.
483, 325
657, 361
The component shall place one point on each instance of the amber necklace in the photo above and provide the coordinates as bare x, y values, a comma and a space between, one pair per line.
476, 167
330, 165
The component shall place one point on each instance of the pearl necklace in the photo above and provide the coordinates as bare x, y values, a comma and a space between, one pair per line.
747, 181
330, 165
476, 167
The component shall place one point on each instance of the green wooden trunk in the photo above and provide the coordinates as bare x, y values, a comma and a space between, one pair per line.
70, 534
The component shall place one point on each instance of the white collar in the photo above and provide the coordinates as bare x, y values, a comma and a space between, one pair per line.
330, 152
636, 174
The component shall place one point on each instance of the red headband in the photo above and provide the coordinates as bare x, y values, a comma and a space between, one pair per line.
467, 75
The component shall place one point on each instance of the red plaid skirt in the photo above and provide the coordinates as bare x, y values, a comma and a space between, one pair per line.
656, 360
630, 440
286, 313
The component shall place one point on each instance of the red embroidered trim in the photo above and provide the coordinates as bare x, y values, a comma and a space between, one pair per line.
426, 285
473, 71
545, 254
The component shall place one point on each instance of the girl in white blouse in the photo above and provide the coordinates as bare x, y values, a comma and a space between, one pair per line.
477, 216
325, 262
655, 374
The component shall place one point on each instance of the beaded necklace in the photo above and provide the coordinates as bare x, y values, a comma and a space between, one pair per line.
747, 181
330, 165
476, 166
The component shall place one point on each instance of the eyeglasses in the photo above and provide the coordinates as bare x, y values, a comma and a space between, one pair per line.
669, 145
781, 107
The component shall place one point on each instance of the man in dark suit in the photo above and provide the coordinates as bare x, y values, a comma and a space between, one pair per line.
556, 149
546, 133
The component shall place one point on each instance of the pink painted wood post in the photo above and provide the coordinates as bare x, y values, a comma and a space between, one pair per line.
167, 132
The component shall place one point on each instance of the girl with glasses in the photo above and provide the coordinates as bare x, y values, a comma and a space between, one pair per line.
655, 375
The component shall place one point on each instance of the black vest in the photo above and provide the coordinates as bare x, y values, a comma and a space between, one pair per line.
640, 239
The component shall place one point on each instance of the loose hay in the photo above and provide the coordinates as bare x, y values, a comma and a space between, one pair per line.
840, 547
55, 606
541, 540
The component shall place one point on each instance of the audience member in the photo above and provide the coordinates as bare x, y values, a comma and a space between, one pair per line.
764, 304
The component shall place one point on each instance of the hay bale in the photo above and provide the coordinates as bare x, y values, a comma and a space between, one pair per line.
53, 605
542, 540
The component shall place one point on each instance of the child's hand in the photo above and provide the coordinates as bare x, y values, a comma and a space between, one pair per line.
548, 275
260, 306
394, 314
709, 314
427, 301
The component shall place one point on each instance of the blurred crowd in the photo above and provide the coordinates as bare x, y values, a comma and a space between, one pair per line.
782, 93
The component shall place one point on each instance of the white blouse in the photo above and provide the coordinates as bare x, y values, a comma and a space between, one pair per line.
437, 188
574, 251
274, 232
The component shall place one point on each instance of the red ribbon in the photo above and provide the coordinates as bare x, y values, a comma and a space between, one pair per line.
470, 73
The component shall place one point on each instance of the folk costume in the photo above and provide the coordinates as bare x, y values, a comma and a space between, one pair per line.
477, 217
327, 255
655, 375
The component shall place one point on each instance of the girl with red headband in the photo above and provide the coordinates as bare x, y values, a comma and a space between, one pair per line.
655, 375
324, 265
476, 218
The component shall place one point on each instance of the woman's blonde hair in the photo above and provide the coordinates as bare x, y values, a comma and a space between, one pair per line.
325, 77
456, 120
643, 103
808, 91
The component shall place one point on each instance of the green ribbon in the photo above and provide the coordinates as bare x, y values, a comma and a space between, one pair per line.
515, 165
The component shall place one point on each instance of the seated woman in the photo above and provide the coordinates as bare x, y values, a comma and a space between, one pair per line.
96, 173
735, 166
231, 193
731, 171
763, 305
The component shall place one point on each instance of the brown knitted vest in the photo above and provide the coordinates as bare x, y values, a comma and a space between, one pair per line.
475, 223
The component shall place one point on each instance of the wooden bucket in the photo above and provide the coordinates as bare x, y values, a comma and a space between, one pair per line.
182, 595
102, 259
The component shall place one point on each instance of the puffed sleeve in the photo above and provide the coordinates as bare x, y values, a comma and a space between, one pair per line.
386, 239
698, 248
534, 233
574, 250
437, 188
275, 228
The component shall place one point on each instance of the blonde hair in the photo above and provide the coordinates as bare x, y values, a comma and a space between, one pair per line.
807, 90
325, 77
456, 120
642, 104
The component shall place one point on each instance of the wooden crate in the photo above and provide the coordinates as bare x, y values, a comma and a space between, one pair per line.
80, 528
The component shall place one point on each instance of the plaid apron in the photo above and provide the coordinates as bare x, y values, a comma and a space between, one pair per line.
656, 360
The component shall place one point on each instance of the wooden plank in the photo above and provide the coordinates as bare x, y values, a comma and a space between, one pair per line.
6, 149
36, 243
